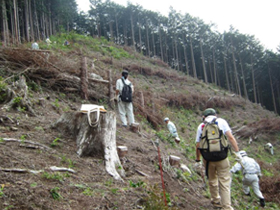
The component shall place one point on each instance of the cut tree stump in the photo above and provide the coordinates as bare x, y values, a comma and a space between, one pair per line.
135, 127
98, 141
174, 160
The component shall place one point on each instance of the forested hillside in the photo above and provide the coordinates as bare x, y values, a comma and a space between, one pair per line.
234, 61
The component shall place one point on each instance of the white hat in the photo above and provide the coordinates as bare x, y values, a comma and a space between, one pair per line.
178, 139
243, 153
165, 119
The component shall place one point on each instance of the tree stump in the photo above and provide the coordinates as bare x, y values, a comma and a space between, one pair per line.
135, 127
17, 97
98, 141
174, 160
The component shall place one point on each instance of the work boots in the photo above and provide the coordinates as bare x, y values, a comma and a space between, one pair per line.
262, 202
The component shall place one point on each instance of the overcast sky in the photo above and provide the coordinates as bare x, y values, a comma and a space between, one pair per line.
254, 17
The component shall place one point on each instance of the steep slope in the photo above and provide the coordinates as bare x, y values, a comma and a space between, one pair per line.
165, 92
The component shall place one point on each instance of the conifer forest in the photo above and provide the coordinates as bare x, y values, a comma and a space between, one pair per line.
231, 60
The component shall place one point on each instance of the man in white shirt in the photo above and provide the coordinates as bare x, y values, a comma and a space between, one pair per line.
172, 129
218, 171
251, 173
125, 108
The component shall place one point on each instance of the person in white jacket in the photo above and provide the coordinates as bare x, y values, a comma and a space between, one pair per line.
172, 129
269, 147
251, 173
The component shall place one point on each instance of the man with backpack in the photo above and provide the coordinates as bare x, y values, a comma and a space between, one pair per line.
251, 172
124, 90
212, 144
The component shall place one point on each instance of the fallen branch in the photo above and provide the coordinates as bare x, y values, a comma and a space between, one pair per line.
26, 141
141, 173
52, 168
98, 80
61, 169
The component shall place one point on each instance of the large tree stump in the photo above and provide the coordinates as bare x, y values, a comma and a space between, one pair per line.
17, 97
98, 141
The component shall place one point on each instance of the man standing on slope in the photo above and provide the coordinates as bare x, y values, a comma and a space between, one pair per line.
251, 172
218, 171
172, 129
125, 107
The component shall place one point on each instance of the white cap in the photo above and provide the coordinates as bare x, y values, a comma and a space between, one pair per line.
165, 119
178, 139
243, 153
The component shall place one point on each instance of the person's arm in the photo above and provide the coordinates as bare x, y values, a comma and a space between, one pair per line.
235, 168
232, 141
117, 88
198, 134
197, 159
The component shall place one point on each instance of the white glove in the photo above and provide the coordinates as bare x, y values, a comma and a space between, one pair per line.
238, 157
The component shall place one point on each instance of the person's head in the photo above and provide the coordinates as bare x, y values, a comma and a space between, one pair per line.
208, 112
125, 73
166, 120
243, 153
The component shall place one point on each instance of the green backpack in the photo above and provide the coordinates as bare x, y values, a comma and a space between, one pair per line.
213, 144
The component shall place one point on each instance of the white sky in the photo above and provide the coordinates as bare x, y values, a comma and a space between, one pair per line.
254, 17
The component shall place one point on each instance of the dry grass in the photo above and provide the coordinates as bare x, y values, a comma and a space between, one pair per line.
263, 126
270, 185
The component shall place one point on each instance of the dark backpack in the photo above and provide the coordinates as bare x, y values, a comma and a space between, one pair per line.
213, 144
126, 95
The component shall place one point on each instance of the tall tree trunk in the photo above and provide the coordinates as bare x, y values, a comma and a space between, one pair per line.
117, 29
132, 30
166, 49
176, 51
147, 39
5, 30
50, 20
111, 31
243, 78
42, 23
203, 62
186, 60
253, 80
140, 38
214, 66
226, 72
12, 26
153, 43
36, 22
210, 71
235, 70
16, 22
193, 61
125, 33
31, 22
26, 14
160, 44
272, 91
